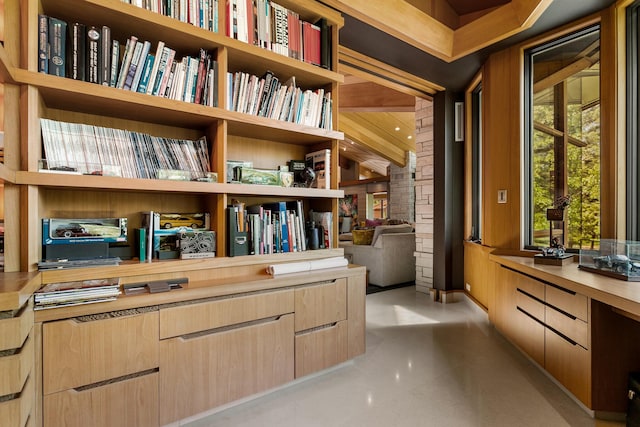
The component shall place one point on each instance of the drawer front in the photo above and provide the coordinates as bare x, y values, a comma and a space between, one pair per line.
190, 318
15, 368
16, 412
132, 402
528, 334
203, 371
574, 329
79, 353
320, 349
14, 330
531, 286
533, 307
322, 304
573, 303
570, 364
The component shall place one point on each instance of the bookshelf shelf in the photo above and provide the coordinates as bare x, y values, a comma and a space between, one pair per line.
7, 175
53, 180
107, 101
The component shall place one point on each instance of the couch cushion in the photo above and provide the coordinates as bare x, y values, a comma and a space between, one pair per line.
385, 229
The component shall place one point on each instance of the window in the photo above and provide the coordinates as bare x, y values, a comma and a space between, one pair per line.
633, 115
476, 163
562, 154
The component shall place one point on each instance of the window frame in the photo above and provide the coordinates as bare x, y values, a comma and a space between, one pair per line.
527, 184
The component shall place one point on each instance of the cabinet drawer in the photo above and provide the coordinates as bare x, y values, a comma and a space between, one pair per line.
320, 349
528, 334
132, 402
533, 307
202, 371
570, 302
14, 330
77, 353
322, 304
15, 368
574, 329
570, 364
190, 318
531, 286
17, 411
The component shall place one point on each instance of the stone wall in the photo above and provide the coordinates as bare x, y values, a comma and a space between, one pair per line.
402, 190
424, 191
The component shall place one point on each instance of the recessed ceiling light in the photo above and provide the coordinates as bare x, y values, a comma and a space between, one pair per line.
397, 128
352, 142
409, 137
344, 148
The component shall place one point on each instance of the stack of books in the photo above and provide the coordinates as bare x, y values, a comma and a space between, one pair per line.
65, 294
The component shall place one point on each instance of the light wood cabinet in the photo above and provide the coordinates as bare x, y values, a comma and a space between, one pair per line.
79, 352
550, 324
322, 348
131, 402
320, 304
17, 356
201, 316
322, 332
202, 371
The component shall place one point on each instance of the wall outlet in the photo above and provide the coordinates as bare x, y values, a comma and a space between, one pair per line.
502, 196
467, 286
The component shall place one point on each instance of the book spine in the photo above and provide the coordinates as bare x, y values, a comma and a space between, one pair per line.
77, 52
142, 60
93, 48
115, 58
57, 47
43, 44
126, 61
104, 57
146, 75
133, 66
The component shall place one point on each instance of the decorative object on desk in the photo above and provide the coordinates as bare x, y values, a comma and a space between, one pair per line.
556, 214
619, 259
553, 255
362, 236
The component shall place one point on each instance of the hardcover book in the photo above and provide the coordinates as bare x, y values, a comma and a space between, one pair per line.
77, 52
57, 47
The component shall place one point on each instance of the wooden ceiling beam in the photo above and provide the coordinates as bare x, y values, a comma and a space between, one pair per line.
422, 31
371, 97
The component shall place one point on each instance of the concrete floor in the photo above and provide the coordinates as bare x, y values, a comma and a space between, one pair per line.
426, 364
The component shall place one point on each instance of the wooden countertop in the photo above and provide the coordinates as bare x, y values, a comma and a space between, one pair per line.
16, 289
199, 290
620, 294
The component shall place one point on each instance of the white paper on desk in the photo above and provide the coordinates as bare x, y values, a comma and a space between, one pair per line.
297, 267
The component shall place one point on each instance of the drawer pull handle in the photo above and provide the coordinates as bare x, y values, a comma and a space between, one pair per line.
213, 331
116, 380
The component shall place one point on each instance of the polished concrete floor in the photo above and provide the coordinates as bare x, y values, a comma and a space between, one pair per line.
427, 364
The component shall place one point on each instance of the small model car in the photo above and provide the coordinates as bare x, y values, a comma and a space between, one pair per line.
618, 263
181, 221
72, 229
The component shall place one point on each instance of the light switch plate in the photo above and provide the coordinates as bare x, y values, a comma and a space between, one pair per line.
502, 196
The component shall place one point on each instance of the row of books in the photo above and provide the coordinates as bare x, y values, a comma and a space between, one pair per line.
268, 228
88, 53
63, 294
86, 149
201, 13
271, 26
268, 97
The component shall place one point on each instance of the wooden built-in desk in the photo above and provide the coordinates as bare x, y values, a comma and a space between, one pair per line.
582, 328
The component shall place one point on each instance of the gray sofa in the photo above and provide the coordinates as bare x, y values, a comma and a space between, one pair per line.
389, 258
